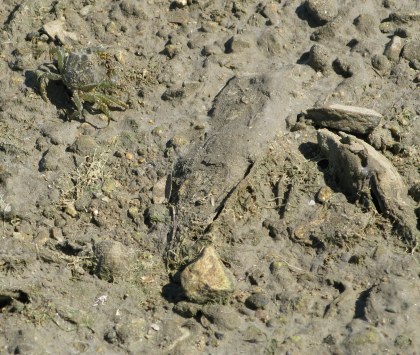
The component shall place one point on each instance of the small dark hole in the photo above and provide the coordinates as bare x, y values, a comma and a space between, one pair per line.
23, 297
339, 286
5, 301
352, 43
69, 249
375, 201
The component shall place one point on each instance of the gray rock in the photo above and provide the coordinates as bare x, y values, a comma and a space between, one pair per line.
187, 309
131, 330
403, 341
402, 17
113, 260
381, 63
270, 42
160, 191
322, 11
319, 58
271, 12
237, 44
109, 187
366, 24
411, 51
84, 145
55, 30
393, 48
51, 159
209, 26
254, 334
381, 138
223, 317
348, 67
131, 8
351, 119
156, 214
256, 301
329, 31
207, 279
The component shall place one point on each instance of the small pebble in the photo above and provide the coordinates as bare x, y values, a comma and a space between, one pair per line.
109, 186
275, 266
254, 334
129, 155
85, 10
171, 50
159, 191
120, 57
133, 212
57, 234
393, 49
324, 194
71, 210
219, 335
155, 327
381, 63
236, 44
181, 3
256, 301
157, 213
42, 237
262, 315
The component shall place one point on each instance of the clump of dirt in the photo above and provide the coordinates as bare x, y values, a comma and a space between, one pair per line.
218, 150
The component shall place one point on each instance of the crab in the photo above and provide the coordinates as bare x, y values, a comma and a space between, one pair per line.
86, 74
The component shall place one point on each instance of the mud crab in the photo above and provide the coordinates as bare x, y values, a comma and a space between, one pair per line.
86, 74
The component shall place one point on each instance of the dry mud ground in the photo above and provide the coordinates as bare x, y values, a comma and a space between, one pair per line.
214, 148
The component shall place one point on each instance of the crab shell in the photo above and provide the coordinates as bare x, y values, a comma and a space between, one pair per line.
86, 70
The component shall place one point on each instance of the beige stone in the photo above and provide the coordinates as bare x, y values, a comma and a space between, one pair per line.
207, 279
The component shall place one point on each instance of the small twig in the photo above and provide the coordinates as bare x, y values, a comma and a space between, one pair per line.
413, 250
174, 224
291, 266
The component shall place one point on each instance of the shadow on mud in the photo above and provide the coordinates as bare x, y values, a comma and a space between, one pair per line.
173, 291
57, 93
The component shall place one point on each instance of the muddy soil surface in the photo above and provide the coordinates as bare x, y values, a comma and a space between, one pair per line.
203, 123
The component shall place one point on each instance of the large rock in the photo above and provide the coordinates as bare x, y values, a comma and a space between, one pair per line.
322, 11
350, 119
357, 167
246, 116
207, 279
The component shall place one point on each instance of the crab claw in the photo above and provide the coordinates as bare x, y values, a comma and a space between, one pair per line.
42, 82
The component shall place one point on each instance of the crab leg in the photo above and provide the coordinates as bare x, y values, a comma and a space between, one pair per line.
78, 102
95, 99
108, 100
61, 55
43, 78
